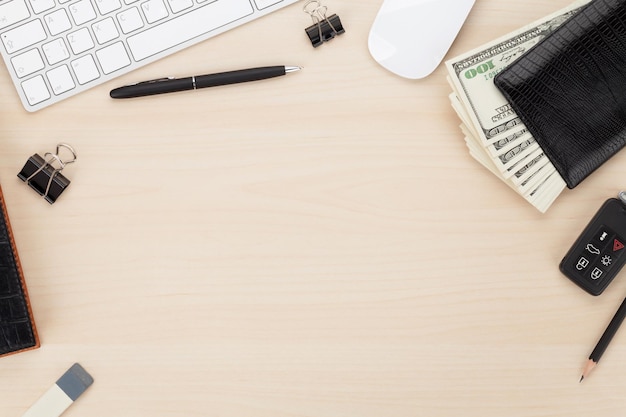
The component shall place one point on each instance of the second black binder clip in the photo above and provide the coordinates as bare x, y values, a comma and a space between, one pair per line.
323, 28
44, 174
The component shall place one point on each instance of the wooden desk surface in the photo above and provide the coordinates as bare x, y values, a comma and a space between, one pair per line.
318, 245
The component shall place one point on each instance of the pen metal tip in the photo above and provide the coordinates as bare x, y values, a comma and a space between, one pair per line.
292, 69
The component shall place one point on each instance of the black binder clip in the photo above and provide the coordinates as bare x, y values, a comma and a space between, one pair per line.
323, 28
44, 174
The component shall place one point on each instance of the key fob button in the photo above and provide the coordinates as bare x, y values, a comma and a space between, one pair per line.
603, 237
607, 260
582, 263
596, 273
618, 245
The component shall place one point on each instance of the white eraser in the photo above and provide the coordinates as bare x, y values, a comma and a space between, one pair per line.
61, 395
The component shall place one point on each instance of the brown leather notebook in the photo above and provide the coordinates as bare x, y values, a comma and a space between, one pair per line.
17, 327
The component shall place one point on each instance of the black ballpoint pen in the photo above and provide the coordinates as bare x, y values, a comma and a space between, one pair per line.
171, 85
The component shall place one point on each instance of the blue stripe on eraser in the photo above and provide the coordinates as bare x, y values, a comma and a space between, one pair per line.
75, 381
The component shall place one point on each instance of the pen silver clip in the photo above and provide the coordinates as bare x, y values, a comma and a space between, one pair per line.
157, 80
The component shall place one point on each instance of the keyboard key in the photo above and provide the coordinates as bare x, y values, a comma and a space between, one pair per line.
113, 57
80, 41
154, 10
40, 6
56, 51
262, 4
129, 20
107, 6
35, 90
180, 5
27, 63
105, 30
58, 22
12, 12
82, 11
23, 36
185, 27
60, 80
85, 69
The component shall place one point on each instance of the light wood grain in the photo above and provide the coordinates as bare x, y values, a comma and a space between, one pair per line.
318, 245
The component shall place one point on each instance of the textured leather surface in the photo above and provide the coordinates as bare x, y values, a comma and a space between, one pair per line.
17, 328
570, 90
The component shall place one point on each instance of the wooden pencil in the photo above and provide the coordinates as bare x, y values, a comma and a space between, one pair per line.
605, 339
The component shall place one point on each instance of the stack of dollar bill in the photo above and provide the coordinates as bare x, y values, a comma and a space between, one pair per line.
494, 134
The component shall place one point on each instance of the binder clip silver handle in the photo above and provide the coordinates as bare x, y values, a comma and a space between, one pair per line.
44, 174
324, 28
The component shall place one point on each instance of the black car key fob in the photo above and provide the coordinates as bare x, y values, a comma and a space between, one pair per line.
599, 253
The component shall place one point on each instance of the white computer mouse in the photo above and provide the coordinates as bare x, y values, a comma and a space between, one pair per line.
411, 37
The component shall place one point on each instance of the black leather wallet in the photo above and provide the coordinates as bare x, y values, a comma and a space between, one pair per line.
17, 328
570, 90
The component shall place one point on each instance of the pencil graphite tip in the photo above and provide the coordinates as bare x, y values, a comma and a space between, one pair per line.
588, 367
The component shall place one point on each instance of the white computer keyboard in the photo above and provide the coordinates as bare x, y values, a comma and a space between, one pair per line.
55, 49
